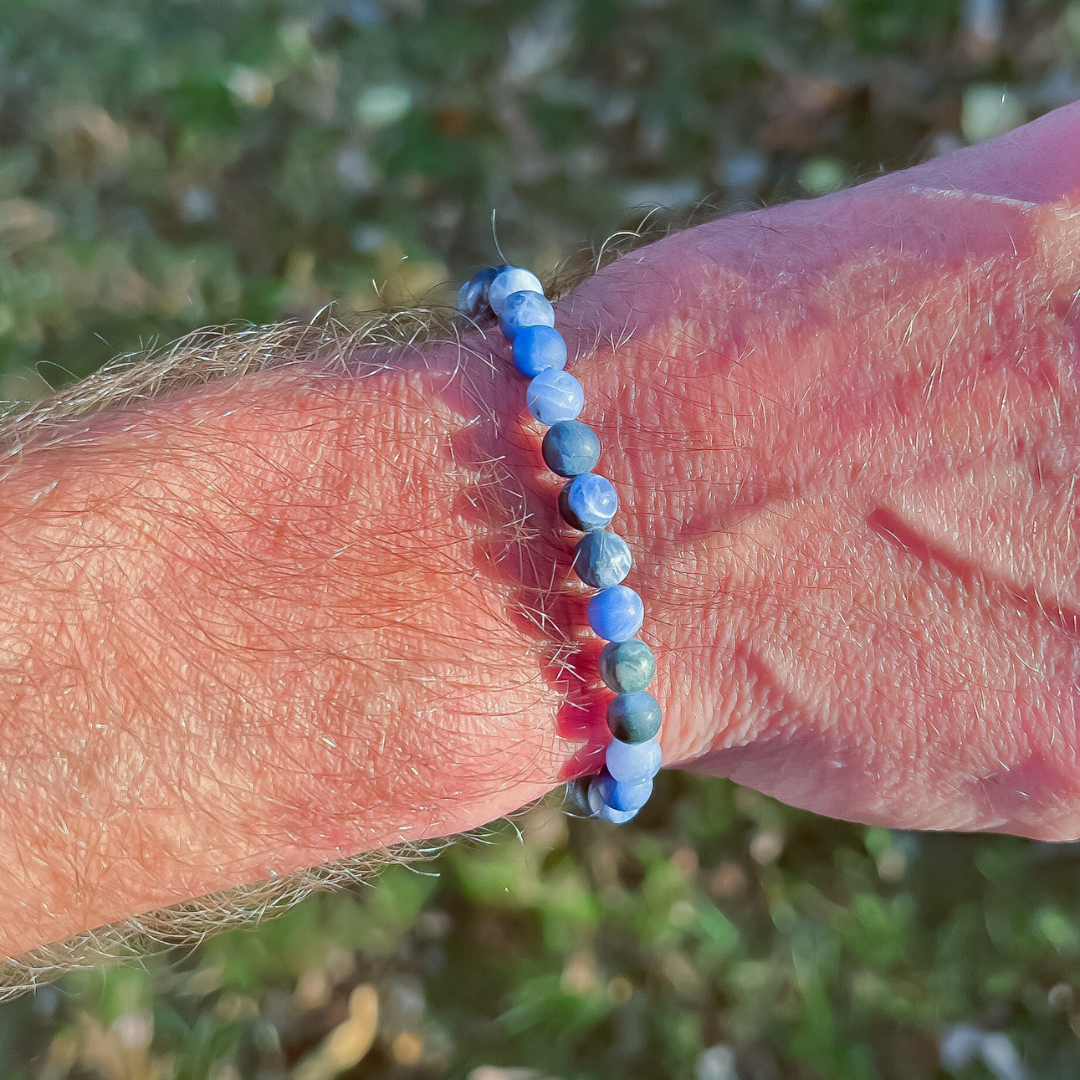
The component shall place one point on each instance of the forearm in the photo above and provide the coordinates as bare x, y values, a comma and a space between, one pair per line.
253, 627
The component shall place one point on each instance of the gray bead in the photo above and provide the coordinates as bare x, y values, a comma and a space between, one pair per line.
634, 718
571, 448
472, 297
577, 796
627, 666
602, 559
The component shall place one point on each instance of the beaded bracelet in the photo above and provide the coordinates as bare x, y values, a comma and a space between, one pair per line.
602, 559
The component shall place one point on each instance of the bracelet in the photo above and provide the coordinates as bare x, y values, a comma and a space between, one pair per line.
602, 560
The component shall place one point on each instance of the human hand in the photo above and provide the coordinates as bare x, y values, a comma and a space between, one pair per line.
848, 434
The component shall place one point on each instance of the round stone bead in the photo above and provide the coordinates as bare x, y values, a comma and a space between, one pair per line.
554, 395
622, 796
616, 613
571, 448
588, 502
633, 718
627, 666
472, 297
616, 817
601, 809
511, 280
633, 763
602, 559
525, 309
577, 795
538, 348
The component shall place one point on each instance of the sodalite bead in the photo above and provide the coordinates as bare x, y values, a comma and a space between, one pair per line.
538, 348
616, 613
554, 395
577, 795
602, 559
633, 763
511, 280
627, 666
601, 809
634, 718
571, 448
622, 796
525, 309
588, 502
472, 297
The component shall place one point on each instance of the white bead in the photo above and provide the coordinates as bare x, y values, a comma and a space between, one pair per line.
513, 279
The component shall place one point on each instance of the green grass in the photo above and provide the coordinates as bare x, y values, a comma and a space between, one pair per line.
169, 164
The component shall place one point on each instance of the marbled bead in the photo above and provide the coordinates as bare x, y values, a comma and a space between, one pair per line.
622, 796
511, 280
601, 809
602, 559
571, 448
633, 718
525, 309
553, 396
588, 502
616, 613
633, 763
472, 297
538, 348
627, 666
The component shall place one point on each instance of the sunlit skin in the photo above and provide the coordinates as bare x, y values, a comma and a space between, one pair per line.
272, 622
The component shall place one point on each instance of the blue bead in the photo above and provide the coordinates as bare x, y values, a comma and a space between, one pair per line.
601, 809
523, 309
622, 796
537, 348
511, 280
633, 718
602, 559
571, 448
616, 817
627, 666
616, 613
633, 763
577, 796
472, 297
554, 395
588, 502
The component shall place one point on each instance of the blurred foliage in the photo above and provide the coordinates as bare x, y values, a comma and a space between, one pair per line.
172, 163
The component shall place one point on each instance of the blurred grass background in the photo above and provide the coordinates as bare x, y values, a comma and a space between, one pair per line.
173, 163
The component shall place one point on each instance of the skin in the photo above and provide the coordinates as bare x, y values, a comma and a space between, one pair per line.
294, 616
